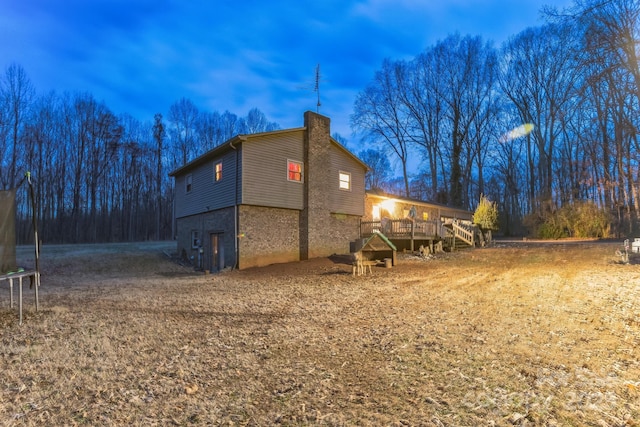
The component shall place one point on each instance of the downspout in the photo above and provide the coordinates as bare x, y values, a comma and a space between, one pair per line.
236, 213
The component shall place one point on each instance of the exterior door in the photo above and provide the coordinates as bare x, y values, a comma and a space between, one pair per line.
216, 259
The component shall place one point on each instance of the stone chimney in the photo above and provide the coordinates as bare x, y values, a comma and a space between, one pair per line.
315, 216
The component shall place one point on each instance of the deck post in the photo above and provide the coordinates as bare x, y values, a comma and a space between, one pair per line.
412, 234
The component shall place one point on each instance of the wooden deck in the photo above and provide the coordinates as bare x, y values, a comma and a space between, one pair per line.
402, 229
419, 232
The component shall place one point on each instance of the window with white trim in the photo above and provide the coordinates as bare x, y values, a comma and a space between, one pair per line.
217, 172
345, 180
188, 183
294, 171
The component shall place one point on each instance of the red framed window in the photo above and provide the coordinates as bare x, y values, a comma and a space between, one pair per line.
294, 171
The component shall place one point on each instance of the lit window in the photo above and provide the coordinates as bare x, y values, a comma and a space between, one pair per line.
189, 183
294, 171
345, 180
218, 171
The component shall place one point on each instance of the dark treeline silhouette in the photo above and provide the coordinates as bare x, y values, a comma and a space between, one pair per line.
100, 177
443, 118
576, 79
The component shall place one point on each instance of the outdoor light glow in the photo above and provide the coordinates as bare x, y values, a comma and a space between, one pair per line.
514, 133
388, 205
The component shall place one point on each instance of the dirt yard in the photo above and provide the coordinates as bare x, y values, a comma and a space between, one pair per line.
521, 333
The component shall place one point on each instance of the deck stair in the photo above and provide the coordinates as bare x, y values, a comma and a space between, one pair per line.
458, 235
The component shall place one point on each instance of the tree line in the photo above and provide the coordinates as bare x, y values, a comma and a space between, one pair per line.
100, 177
572, 83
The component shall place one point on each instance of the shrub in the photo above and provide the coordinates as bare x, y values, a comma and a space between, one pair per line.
549, 230
486, 214
580, 219
590, 221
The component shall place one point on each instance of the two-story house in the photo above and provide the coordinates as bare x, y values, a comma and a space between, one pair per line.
272, 197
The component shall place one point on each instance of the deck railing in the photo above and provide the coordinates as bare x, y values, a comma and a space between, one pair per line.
401, 228
464, 232
458, 230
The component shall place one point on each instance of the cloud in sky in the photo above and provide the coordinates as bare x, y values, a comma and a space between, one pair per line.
141, 56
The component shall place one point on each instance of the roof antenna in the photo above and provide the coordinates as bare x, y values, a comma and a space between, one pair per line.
316, 87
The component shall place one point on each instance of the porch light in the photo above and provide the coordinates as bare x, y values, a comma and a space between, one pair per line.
389, 205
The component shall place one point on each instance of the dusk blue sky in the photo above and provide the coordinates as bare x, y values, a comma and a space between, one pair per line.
141, 56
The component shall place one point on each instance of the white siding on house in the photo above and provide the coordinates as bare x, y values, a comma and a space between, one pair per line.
350, 201
207, 194
264, 162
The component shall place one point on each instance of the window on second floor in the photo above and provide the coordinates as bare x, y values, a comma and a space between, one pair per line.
345, 180
294, 171
218, 172
188, 183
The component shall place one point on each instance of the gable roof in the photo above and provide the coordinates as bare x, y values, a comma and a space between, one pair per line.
378, 242
232, 143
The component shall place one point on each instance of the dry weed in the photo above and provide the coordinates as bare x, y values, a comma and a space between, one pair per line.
518, 334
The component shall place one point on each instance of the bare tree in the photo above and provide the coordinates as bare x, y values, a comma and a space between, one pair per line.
158, 136
426, 110
379, 168
468, 67
540, 75
611, 38
42, 137
611, 25
210, 132
256, 121
380, 114
17, 94
183, 116
230, 125
99, 177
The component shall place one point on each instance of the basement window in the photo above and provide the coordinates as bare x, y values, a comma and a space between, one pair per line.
195, 239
